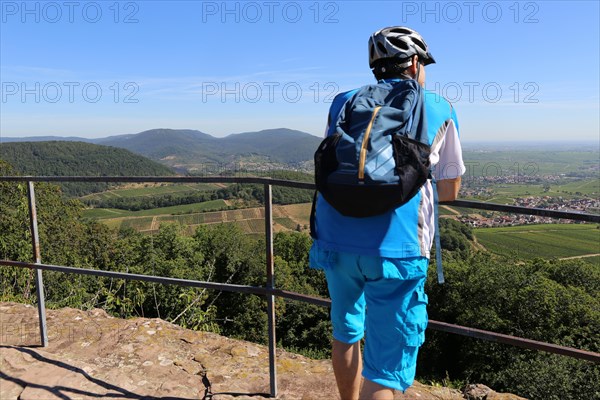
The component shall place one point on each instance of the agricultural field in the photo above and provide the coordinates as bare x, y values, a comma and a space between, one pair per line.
138, 223
528, 241
152, 189
251, 220
506, 193
254, 225
287, 223
545, 241
504, 160
586, 186
100, 213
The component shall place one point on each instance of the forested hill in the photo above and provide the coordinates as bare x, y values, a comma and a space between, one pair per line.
159, 144
64, 158
282, 145
183, 147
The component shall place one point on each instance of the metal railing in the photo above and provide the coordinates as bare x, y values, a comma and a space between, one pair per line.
269, 290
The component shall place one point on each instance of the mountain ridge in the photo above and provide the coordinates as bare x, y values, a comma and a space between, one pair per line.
187, 148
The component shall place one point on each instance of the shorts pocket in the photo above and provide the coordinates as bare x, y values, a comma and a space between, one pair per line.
416, 319
408, 269
322, 259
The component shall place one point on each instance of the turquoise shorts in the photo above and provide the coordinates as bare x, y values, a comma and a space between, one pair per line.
384, 297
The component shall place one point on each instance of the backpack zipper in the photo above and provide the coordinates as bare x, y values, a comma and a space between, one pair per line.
363, 149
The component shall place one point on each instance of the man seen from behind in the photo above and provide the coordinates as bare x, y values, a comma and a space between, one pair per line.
376, 266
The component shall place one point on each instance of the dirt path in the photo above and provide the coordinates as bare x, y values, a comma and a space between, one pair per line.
109, 211
478, 245
154, 225
452, 210
286, 214
581, 256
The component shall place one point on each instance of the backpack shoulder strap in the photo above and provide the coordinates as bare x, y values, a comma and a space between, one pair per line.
313, 215
438, 241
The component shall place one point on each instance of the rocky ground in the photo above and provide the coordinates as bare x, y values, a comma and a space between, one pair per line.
92, 355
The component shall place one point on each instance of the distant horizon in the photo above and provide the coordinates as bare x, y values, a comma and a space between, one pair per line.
466, 143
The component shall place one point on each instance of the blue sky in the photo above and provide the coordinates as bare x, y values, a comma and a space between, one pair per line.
513, 70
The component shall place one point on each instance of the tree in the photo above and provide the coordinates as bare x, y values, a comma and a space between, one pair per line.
536, 300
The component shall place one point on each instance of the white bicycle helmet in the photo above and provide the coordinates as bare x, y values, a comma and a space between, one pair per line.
398, 42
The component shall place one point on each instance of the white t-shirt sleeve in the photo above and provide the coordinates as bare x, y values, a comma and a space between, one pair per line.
446, 155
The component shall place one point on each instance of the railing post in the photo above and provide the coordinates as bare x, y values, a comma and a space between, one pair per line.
270, 285
39, 281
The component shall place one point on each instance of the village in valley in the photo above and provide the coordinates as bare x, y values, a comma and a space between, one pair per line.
550, 192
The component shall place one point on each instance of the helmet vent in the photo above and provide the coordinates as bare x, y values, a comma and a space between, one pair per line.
401, 31
420, 44
398, 43
382, 48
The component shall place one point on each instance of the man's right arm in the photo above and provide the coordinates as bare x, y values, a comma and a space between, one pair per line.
448, 189
450, 166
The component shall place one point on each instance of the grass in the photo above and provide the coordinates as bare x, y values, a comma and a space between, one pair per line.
546, 241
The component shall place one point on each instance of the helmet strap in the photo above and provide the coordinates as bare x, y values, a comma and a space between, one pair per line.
418, 71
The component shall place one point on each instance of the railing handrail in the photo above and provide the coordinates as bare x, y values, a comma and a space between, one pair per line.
269, 291
265, 291
299, 185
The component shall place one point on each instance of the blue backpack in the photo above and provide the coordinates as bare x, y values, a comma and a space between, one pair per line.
378, 157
